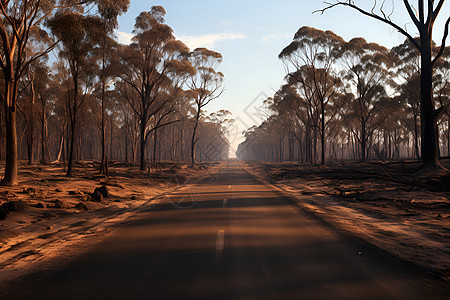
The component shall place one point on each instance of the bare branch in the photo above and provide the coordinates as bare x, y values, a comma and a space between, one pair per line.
411, 13
444, 39
437, 10
387, 21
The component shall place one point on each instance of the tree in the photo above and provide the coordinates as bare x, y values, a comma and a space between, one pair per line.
18, 19
108, 61
107, 56
407, 67
428, 12
78, 35
33, 83
152, 67
365, 75
206, 85
441, 83
44, 93
313, 51
409, 96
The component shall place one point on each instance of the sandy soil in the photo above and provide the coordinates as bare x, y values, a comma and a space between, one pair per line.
52, 229
391, 205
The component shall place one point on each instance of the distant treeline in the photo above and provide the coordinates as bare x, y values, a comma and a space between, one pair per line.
350, 100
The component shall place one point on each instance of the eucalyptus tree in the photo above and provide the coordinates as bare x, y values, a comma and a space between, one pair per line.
167, 115
130, 120
313, 52
78, 34
32, 82
107, 113
286, 121
390, 132
25, 105
441, 81
34, 90
18, 19
296, 100
152, 67
61, 91
366, 74
206, 85
423, 17
223, 119
301, 93
410, 98
407, 78
407, 67
292, 118
46, 100
107, 59
183, 111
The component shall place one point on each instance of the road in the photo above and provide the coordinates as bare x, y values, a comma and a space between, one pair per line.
231, 237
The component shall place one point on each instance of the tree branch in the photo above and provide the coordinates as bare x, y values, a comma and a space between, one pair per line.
437, 10
444, 39
372, 15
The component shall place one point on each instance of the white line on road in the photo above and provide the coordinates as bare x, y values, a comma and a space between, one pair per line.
220, 242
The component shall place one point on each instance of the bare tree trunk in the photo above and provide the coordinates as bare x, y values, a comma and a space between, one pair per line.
363, 141
448, 137
71, 149
430, 152
103, 125
30, 127
126, 139
73, 123
2, 141
30, 139
111, 148
142, 146
155, 139
44, 135
322, 135
11, 177
416, 138
181, 145
197, 117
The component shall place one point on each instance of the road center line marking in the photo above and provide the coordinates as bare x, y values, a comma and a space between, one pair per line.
220, 242
224, 202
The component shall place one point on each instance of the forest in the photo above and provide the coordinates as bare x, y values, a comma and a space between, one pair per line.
349, 100
113, 169
71, 92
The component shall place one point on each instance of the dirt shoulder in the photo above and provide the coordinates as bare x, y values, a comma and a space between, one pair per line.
53, 218
388, 204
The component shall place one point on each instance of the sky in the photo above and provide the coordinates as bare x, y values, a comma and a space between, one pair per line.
251, 33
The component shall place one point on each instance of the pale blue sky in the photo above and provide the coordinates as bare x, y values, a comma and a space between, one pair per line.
251, 33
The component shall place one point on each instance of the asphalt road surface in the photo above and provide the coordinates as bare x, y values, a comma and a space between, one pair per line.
231, 237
